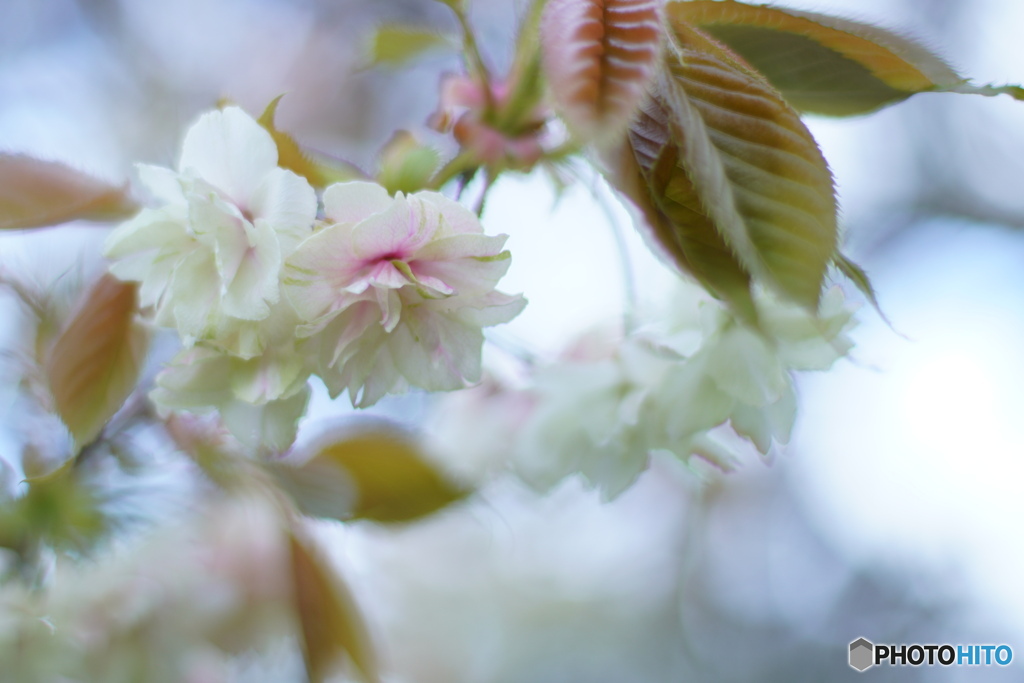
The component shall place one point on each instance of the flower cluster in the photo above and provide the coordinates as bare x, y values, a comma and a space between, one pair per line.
603, 410
383, 294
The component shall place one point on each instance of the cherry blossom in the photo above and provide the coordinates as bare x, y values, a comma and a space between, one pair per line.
397, 291
209, 257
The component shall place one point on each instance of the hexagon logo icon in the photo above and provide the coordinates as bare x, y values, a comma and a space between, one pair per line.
862, 654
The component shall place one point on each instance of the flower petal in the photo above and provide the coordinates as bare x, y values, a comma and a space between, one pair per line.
231, 151
270, 377
458, 219
253, 288
461, 246
396, 232
162, 183
354, 201
194, 378
273, 424
761, 425
288, 203
743, 365
151, 229
193, 296
318, 271
494, 308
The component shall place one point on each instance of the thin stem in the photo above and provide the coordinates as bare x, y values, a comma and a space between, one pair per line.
514, 348
489, 178
625, 262
460, 164
474, 59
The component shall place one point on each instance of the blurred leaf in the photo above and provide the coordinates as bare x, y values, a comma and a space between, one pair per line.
319, 487
96, 359
521, 111
599, 56
207, 442
318, 169
742, 161
332, 626
57, 509
823, 64
36, 193
389, 479
396, 45
860, 279
406, 165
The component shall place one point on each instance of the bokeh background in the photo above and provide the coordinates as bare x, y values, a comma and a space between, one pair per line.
894, 514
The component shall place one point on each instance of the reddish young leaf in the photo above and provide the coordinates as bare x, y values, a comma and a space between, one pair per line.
96, 359
331, 624
36, 193
823, 64
599, 55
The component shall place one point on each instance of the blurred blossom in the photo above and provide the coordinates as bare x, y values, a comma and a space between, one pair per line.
171, 611
606, 407
260, 400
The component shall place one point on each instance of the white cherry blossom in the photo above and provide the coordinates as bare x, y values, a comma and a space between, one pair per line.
209, 258
676, 389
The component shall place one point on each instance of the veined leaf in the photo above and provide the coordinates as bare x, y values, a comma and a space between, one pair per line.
380, 475
747, 163
599, 56
36, 193
679, 222
332, 626
95, 361
396, 45
823, 64
318, 169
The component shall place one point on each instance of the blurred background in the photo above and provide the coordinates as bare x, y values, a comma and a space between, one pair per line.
894, 513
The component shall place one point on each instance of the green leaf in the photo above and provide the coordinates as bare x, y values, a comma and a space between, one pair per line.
96, 359
318, 169
744, 163
331, 624
397, 45
36, 193
679, 225
824, 64
378, 473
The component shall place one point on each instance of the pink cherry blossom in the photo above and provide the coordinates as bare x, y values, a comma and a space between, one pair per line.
397, 290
